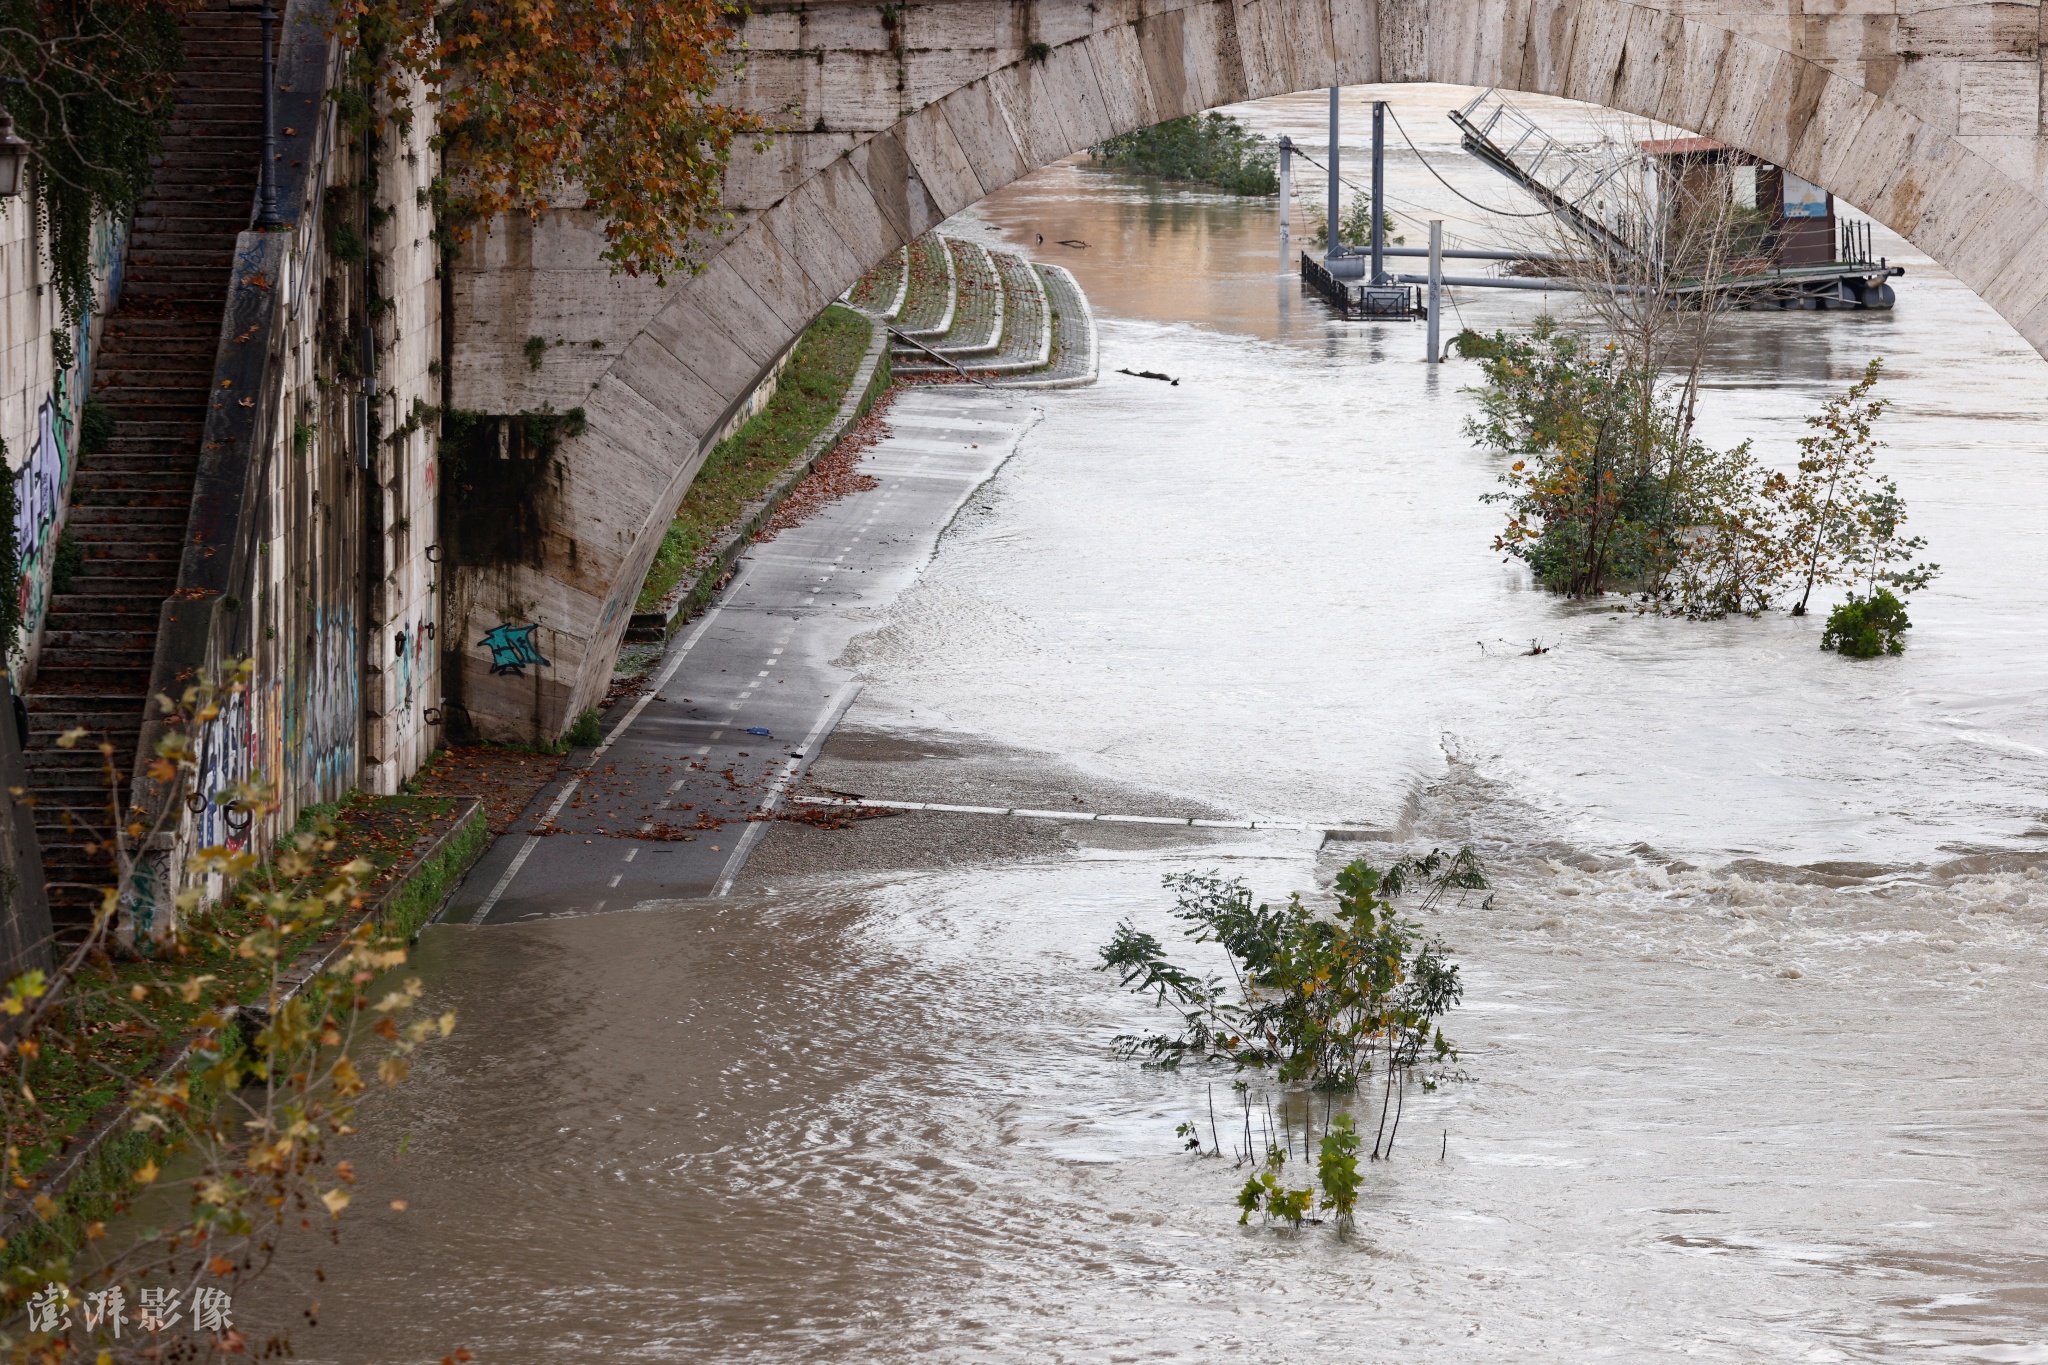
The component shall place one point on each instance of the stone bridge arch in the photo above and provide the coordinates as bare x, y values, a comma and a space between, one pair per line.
899, 116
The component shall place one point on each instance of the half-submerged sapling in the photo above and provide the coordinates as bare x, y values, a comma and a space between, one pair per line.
1319, 998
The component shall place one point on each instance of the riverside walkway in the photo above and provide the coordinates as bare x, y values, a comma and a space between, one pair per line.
744, 697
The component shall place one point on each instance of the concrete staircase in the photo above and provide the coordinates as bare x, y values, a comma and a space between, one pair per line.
956, 305
129, 501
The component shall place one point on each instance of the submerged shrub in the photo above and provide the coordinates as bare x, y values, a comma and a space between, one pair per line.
1319, 996
1213, 149
1865, 627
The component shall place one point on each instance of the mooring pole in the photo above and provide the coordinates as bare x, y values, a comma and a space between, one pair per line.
1286, 187
266, 182
1379, 186
1436, 286
1330, 248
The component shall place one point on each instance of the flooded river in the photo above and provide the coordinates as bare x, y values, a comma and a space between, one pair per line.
1754, 1026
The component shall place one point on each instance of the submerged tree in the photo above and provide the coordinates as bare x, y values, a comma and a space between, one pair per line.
1609, 489
1354, 225
1599, 453
1319, 1000
1210, 149
1318, 997
1846, 519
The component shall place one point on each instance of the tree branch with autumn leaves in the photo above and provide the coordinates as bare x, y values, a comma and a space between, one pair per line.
607, 104
236, 1060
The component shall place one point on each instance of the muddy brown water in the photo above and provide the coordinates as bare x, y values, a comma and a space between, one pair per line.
1753, 1027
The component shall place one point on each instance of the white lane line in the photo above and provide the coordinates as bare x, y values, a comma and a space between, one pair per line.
525, 851
834, 709
675, 661
640, 704
1332, 829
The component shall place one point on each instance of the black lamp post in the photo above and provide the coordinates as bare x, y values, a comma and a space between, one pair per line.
266, 182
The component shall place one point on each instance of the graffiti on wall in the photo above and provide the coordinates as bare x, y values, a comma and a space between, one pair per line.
226, 749
40, 486
329, 753
513, 649
43, 481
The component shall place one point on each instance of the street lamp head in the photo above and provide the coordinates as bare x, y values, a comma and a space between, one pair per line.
13, 157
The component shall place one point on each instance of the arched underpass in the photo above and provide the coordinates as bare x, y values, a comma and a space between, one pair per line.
898, 117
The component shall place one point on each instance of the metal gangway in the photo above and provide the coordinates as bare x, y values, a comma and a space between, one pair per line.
1575, 183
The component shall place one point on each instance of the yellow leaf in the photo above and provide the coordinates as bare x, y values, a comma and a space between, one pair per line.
336, 1200
45, 1206
147, 1173
392, 1070
448, 1023
399, 1205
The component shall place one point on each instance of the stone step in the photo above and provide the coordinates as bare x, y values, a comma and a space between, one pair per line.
219, 219
103, 644
167, 451
102, 481
174, 493
138, 621
151, 579
101, 660
106, 532
192, 369
133, 335
150, 402
125, 676
213, 277
40, 698
184, 363
81, 763
218, 253
211, 292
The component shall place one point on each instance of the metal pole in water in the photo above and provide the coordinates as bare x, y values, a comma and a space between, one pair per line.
1286, 186
1436, 286
1379, 186
1330, 248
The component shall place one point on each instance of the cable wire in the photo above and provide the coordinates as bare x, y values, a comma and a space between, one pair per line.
1420, 213
1447, 184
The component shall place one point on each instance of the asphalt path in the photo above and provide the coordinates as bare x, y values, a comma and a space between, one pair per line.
664, 808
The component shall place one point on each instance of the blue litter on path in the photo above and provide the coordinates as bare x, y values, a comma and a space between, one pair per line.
757, 731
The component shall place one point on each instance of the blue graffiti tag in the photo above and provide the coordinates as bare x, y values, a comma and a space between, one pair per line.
512, 648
